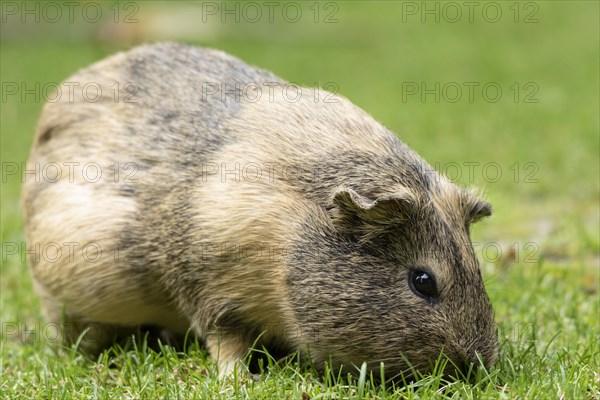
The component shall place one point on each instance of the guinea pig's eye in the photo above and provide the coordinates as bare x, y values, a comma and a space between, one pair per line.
423, 284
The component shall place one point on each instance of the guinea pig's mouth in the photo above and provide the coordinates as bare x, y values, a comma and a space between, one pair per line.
451, 369
461, 371
461, 368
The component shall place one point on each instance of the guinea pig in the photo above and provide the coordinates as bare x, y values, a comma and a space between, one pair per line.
193, 192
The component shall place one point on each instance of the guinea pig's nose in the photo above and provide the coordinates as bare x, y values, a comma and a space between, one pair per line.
461, 369
468, 370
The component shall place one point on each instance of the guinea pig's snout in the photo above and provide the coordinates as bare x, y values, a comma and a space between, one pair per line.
461, 369
465, 367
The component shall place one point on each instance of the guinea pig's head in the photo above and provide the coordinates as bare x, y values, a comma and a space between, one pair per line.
393, 278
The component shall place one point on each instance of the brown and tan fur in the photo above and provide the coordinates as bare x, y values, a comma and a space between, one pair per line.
314, 255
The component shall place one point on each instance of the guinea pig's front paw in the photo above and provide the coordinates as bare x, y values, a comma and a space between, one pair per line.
236, 370
231, 368
229, 351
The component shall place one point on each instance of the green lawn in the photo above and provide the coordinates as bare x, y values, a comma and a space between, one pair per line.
534, 149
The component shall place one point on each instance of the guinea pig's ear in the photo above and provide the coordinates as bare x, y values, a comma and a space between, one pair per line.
361, 215
478, 209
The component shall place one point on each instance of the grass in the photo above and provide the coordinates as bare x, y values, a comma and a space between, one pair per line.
539, 252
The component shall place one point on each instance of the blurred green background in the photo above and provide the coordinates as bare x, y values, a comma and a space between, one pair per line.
542, 133
373, 53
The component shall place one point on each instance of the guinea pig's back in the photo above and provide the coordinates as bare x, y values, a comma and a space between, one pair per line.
112, 146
